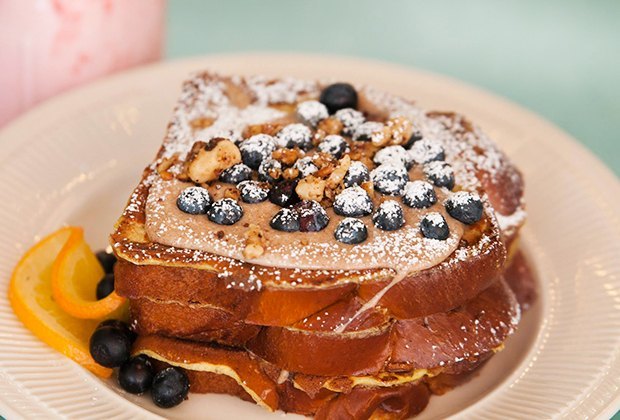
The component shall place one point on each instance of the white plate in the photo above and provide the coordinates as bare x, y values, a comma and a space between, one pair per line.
75, 159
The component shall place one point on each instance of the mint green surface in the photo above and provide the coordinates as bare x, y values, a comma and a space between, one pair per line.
559, 58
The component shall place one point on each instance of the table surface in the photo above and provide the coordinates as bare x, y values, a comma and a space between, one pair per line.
558, 58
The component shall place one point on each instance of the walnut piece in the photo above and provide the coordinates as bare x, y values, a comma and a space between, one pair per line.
287, 156
163, 167
267, 128
336, 177
255, 242
211, 159
331, 125
311, 188
400, 130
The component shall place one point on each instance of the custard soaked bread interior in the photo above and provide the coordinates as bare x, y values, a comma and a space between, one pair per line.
319, 248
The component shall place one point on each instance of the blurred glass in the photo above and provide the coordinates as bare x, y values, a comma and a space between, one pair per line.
47, 46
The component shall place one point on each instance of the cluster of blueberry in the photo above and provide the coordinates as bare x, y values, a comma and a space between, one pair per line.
390, 177
110, 346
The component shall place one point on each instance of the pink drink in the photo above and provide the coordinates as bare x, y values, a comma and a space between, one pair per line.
47, 46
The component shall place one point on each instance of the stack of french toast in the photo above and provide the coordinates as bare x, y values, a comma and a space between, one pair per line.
322, 249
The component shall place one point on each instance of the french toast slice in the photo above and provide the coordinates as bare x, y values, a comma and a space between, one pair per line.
293, 318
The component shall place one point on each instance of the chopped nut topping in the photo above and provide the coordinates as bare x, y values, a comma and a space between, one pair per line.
256, 242
336, 177
201, 123
287, 156
331, 125
232, 192
400, 129
268, 128
290, 173
369, 188
311, 188
211, 159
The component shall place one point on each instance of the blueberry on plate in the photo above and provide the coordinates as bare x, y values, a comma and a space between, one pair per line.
425, 151
110, 346
338, 96
312, 216
225, 212
106, 259
285, 220
194, 200
351, 119
419, 194
256, 149
351, 231
115, 323
389, 216
295, 135
333, 144
253, 192
465, 207
305, 166
283, 193
353, 202
170, 387
366, 131
396, 155
270, 170
434, 226
136, 375
236, 174
389, 179
105, 286
357, 174
311, 112
440, 174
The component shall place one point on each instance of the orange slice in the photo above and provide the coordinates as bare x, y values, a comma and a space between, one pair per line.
30, 294
75, 275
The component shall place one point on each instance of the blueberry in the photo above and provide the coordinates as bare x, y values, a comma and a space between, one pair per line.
333, 144
105, 286
311, 112
389, 216
357, 174
110, 346
136, 375
306, 166
225, 212
389, 179
194, 200
236, 174
396, 155
351, 119
416, 136
425, 151
312, 216
253, 192
170, 387
419, 194
366, 131
434, 226
351, 231
120, 325
440, 173
295, 135
286, 220
270, 170
107, 260
283, 193
465, 207
354, 202
256, 149
338, 96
